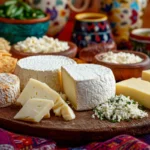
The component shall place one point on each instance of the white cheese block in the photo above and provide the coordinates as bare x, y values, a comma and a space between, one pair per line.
37, 89
87, 85
9, 89
34, 110
43, 68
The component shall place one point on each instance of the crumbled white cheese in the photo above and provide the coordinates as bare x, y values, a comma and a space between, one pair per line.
119, 108
120, 58
41, 45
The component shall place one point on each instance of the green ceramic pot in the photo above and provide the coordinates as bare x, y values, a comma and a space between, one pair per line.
18, 30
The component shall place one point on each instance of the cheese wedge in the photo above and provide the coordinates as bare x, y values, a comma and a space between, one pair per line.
138, 90
37, 89
58, 106
88, 85
34, 110
146, 75
67, 113
61, 108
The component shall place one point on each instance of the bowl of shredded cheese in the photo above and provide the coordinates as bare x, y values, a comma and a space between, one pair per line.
124, 64
44, 46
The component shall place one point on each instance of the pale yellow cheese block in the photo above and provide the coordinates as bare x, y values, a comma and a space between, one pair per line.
146, 75
37, 89
138, 90
34, 110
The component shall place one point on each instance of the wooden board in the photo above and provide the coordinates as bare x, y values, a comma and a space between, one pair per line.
82, 129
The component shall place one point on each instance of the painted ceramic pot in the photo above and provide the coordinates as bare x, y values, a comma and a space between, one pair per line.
140, 40
91, 28
123, 15
18, 30
59, 11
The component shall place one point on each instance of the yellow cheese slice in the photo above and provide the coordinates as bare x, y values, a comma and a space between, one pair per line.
138, 90
34, 110
37, 89
146, 75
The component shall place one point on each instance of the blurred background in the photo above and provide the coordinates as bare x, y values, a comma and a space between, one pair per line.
93, 7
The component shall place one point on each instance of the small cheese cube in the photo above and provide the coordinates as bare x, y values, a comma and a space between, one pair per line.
37, 89
138, 90
146, 75
34, 110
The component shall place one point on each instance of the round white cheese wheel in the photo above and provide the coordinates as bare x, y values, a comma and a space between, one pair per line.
46, 69
9, 89
88, 85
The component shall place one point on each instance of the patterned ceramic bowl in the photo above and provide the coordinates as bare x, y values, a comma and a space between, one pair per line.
18, 30
91, 28
140, 40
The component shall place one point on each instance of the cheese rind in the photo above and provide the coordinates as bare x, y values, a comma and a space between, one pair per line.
87, 85
138, 90
146, 75
37, 89
34, 110
9, 89
43, 68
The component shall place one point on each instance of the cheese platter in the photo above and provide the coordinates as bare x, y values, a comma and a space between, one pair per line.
54, 97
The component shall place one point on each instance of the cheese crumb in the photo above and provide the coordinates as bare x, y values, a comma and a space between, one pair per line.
119, 108
41, 45
120, 58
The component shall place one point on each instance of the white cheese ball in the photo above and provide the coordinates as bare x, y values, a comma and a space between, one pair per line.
9, 89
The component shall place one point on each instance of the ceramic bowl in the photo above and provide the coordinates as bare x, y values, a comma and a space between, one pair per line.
140, 40
15, 30
87, 54
126, 71
71, 52
91, 28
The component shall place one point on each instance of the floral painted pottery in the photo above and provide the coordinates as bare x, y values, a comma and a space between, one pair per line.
123, 15
59, 11
140, 40
91, 28
18, 30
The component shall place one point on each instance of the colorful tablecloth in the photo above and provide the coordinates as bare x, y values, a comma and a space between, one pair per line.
12, 141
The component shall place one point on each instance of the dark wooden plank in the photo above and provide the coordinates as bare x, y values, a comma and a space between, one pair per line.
83, 128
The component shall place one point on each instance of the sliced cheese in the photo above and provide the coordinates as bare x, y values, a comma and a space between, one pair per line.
138, 90
61, 108
58, 106
146, 75
87, 85
43, 68
9, 89
37, 89
34, 110
67, 113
